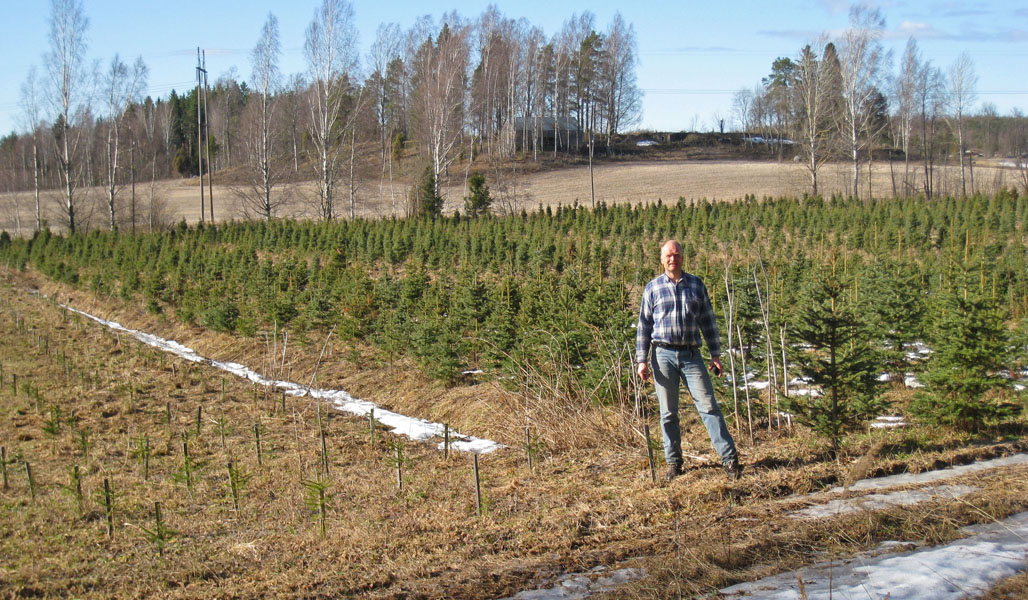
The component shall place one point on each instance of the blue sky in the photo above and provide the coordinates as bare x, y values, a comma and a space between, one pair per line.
693, 54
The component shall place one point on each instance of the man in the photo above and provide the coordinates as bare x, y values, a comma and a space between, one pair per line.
674, 311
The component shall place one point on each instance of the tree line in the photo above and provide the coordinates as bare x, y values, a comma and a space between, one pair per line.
840, 99
438, 93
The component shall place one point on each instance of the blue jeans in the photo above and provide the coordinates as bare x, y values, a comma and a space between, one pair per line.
669, 368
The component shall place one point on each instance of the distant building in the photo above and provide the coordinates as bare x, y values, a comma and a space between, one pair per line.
563, 132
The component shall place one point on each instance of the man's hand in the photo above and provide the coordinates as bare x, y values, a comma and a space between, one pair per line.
643, 371
715, 367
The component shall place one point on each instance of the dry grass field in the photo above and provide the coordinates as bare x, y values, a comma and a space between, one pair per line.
77, 398
614, 182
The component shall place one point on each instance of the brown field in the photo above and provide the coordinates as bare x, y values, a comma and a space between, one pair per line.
91, 399
616, 182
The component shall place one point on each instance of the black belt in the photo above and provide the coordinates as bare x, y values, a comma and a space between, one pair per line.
668, 346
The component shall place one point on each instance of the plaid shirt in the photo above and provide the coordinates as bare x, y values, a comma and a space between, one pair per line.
676, 314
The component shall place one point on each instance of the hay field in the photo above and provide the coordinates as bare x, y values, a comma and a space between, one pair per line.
635, 182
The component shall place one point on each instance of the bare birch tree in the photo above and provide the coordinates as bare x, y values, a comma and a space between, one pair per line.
384, 51
121, 86
261, 135
623, 97
961, 96
930, 100
861, 59
817, 90
904, 93
69, 95
441, 74
330, 50
30, 106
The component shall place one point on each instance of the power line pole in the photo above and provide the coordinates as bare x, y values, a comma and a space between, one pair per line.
207, 141
200, 71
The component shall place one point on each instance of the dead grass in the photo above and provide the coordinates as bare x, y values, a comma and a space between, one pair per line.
576, 509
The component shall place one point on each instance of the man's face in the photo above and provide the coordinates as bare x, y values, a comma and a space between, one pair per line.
671, 258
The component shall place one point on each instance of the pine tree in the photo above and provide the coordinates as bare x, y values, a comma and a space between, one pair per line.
478, 200
429, 202
970, 346
839, 360
897, 306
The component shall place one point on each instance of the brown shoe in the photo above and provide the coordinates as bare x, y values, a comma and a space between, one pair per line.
673, 470
733, 468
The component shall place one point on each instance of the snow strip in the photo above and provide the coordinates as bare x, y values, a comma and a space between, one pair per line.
838, 507
416, 429
960, 569
932, 476
883, 483
582, 585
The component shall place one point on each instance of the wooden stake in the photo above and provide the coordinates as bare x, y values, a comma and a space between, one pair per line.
324, 446
199, 420
446, 440
649, 454
77, 481
528, 445
32, 484
371, 425
232, 486
3, 465
257, 439
478, 486
159, 527
109, 509
186, 466
399, 469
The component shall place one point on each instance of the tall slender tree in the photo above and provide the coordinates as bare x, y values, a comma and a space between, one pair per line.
861, 60
261, 137
441, 75
622, 95
330, 50
122, 86
904, 93
817, 92
30, 106
961, 97
69, 95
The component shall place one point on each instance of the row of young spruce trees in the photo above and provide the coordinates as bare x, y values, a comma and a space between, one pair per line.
847, 284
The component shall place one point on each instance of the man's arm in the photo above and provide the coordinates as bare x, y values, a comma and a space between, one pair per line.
708, 326
644, 335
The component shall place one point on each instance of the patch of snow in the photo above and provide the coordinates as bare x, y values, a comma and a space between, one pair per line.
880, 483
582, 585
911, 382
960, 569
646, 143
416, 429
870, 502
756, 139
885, 422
